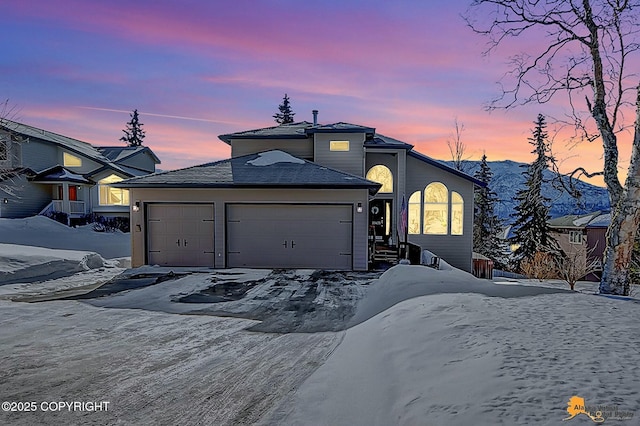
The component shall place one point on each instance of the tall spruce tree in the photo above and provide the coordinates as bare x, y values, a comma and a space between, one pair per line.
486, 223
133, 133
531, 230
285, 114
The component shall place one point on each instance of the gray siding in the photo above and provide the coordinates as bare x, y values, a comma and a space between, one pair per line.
39, 156
351, 161
221, 197
29, 200
141, 161
302, 148
455, 249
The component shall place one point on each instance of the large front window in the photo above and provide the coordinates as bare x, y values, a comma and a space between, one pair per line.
436, 209
110, 196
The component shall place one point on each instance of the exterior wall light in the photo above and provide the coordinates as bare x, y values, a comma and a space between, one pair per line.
136, 206
5, 201
359, 208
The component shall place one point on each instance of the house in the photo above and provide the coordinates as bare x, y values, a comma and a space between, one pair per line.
302, 195
42, 172
583, 237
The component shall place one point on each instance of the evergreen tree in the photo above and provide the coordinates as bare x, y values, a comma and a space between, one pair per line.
486, 224
532, 232
133, 134
286, 114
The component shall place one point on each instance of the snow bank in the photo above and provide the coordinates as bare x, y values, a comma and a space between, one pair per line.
463, 359
404, 282
43, 232
27, 264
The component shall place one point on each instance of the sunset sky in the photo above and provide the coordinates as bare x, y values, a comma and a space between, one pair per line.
196, 69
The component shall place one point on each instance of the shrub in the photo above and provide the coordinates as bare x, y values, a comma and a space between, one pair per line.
61, 217
541, 266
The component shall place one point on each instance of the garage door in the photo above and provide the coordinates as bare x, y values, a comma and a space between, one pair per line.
180, 234
289, 236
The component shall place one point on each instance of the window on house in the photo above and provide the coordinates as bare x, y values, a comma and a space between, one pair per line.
436, 209
110, 196
4, 150
339, 146
457, 213
383, 176
71, 160
575, 237
414, 213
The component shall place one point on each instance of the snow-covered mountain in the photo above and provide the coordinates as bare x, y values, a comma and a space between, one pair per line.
508, 178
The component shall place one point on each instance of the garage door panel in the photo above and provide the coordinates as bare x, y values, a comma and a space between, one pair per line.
180, 234
289, 236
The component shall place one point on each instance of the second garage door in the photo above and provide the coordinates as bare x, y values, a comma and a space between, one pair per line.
289, 236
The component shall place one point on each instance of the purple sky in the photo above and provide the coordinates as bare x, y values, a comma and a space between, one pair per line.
195, 69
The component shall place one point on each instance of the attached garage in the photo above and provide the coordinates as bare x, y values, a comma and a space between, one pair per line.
290, 236
180, 234
272, 210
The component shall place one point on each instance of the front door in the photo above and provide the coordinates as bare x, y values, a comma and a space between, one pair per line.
380, 219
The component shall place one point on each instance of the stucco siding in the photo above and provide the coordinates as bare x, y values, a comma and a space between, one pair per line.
455, 249
351, 161
221, 197
302, 148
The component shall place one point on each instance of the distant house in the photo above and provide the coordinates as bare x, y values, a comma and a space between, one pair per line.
43, 172
303, 195
582, 235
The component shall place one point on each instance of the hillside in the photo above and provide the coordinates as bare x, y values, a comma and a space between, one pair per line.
508, 179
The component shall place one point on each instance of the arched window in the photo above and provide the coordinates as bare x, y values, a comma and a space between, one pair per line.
414, 213
436, 209
382, 175
457, 213
109, 196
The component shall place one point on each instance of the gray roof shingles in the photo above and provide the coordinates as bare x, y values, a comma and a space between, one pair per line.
239, 172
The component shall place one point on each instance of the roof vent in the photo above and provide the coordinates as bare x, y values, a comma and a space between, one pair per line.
315, 117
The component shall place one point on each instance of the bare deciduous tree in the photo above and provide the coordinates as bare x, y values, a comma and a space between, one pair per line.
585, 54
457, 147
9, 186
576, 265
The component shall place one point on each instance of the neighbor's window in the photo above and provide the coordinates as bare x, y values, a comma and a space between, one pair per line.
71, 160
339, 146
4, 150
112, 196
382, 175
436, 209
457, 212
414, 213
575, 237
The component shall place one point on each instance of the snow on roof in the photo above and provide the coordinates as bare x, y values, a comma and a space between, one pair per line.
270, 158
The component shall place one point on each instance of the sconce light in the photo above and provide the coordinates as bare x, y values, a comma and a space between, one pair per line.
136, 206
5, 201
359, 208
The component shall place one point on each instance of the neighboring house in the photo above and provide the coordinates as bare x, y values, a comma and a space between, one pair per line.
42, 172
582, 236
302, 195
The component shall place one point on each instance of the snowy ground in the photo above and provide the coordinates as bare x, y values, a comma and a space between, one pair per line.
424, 347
